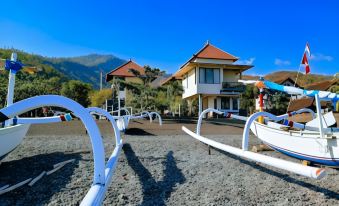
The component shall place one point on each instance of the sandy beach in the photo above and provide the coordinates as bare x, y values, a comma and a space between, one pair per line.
158, 166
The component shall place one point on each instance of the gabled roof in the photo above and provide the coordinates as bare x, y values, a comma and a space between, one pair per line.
323, 85
159, 80
124, 70
211, 52
169, 79
284, 79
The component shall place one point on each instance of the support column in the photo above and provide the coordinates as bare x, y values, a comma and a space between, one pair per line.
318, 105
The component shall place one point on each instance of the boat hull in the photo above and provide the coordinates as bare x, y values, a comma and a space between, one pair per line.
305, 145
11, 137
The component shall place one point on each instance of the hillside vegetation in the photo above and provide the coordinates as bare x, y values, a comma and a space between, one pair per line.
45, 80
303, 79
84, 68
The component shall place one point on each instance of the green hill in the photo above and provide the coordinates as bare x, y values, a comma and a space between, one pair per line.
46, 79
85, 68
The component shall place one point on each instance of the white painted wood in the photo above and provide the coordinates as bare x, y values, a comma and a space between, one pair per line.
11, 137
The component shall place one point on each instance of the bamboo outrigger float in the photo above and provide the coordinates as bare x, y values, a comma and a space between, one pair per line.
316, 143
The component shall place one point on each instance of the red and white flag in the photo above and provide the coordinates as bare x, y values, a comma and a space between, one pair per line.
304, 61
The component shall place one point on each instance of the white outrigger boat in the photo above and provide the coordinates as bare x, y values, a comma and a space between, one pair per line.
315, 141
16, 128
11, 135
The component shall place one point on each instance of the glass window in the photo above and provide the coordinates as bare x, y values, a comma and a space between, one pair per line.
216, 76
201, 75
121, 87
209, 76
225, 103
235, 103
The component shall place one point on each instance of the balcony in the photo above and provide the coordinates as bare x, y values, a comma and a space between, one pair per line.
232, 87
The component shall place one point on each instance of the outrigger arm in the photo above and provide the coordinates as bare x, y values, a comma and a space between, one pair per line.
102, 173
312, 172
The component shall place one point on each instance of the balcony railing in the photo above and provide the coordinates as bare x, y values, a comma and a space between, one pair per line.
232, 87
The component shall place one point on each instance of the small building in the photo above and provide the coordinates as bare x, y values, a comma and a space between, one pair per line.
124, 72
211, 76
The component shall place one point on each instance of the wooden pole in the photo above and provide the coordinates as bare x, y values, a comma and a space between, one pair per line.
261, 105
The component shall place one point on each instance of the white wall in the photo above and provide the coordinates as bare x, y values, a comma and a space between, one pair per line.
192, 86
230, 76
213, 61
122, 94
189, 84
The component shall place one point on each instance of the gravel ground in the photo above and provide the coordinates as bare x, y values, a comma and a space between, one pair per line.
156, 167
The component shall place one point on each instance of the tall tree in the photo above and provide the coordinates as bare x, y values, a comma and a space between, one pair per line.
78, 91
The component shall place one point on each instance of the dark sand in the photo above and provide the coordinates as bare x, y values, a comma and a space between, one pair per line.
158, 166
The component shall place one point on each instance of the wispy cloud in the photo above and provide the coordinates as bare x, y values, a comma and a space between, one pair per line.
246, 61
321, 57
280, 62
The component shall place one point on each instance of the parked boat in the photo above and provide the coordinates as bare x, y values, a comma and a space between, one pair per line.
11, 135
315, 141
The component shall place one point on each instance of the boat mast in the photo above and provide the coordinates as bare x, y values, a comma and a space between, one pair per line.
11, 81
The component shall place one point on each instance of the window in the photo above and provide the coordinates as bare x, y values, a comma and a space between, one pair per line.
195, 75
235, 104
209, 76
216, 76
121, 87
187, 80
225, 103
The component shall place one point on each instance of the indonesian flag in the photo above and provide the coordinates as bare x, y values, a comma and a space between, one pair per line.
304, 61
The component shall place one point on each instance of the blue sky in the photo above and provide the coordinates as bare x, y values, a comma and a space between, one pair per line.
269, 34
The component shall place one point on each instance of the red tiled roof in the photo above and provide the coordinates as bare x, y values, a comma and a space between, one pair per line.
124, 70
211, 52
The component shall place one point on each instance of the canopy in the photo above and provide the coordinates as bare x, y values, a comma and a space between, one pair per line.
323, 95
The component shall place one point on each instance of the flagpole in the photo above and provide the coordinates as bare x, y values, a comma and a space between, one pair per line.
296, 79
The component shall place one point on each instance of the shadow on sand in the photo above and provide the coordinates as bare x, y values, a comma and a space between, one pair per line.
328, 193
138, 131
155, 193
15, 171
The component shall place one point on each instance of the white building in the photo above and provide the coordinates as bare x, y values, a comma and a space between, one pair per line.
211, 76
